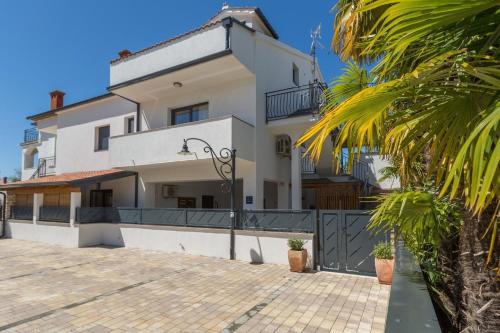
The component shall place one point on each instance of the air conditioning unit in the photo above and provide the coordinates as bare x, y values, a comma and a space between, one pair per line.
168, 191
283, 145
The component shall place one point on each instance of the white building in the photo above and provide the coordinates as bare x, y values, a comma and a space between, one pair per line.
231, 83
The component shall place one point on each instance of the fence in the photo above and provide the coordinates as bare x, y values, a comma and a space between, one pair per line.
210, 218
21, 212
55, 213
268, 220
278, 220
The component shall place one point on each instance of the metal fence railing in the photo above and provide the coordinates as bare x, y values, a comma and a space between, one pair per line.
278, 220
210, 218
21, 212
31, 135
267, 220
294, 101
55, 213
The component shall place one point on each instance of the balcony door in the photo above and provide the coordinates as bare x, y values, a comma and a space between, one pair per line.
189, 114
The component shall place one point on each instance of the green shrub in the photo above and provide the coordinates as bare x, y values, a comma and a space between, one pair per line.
382, 251
296, 244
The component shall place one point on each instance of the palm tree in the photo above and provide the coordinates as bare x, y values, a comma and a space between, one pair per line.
437, 75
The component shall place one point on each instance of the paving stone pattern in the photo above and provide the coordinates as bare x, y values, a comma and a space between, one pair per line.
46, 288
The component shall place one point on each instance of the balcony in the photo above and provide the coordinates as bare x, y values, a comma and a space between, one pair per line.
31, 135
161, 146
296, 101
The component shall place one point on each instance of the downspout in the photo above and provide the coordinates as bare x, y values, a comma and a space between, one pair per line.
228, 23
4, 204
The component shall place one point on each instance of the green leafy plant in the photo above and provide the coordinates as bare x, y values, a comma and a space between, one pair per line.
296, 244
382, 250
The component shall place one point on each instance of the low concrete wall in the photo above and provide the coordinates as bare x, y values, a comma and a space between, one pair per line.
47, 232
269, 247
251, 246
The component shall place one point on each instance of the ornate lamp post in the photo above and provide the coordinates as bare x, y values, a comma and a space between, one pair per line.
225, 166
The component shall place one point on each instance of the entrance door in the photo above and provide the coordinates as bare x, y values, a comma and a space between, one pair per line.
207, 201
345, 243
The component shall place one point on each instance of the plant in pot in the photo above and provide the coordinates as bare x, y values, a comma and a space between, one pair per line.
384, 262
297, 255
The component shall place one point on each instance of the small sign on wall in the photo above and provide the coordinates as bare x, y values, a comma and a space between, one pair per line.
249, 199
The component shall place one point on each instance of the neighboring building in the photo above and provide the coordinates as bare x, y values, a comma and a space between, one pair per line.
230, 82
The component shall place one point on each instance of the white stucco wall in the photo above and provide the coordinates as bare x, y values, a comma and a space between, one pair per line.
250, 246
269, 247
52, 233
76, 134
183, 50
164, 144
376, 163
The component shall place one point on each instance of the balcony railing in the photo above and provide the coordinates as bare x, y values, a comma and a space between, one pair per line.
308, 166
46, 167
30, 135
294, 101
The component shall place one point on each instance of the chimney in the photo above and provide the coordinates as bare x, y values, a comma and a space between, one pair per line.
124, 53
4, 180
56, 99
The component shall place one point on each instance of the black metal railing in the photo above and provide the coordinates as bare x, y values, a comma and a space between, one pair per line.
55, 213
294, 101
46, 167
21, 212
30, 135
267, 220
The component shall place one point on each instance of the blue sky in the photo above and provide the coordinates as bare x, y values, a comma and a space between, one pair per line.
67, 45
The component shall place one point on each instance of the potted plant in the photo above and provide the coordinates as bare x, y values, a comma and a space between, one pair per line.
297, 255
384, 262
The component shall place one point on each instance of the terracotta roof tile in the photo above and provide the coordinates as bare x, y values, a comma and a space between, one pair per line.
63, 179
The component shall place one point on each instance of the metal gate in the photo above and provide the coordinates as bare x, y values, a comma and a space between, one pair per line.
345, 244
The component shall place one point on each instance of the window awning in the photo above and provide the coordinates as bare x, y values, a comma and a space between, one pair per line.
74, 179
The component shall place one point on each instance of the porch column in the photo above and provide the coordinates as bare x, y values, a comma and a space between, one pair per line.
75, 202
296, 174
37, 203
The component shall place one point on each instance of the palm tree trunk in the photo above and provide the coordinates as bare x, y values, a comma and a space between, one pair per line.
479, 309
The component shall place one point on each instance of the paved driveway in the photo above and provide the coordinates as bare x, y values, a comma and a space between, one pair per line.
45, 288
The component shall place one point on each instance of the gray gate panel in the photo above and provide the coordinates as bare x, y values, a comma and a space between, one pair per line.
129, 215
330, 241
359, 243
345, 243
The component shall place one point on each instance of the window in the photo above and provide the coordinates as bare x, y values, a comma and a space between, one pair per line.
102, 138
295, 74
129, 125
101, 198
189, 114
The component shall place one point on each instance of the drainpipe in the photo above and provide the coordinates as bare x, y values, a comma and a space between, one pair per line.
3, 213
227, 23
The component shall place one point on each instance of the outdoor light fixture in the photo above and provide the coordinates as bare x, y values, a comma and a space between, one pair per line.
177, 84
185, 150
225, 165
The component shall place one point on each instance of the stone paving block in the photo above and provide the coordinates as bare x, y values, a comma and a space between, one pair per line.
47, 288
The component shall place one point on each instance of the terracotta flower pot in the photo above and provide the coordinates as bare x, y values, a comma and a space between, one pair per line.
297, 260
384, 269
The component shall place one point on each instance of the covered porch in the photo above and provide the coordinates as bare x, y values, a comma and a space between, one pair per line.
56, 198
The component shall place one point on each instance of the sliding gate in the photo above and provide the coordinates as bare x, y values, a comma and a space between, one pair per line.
345, 244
